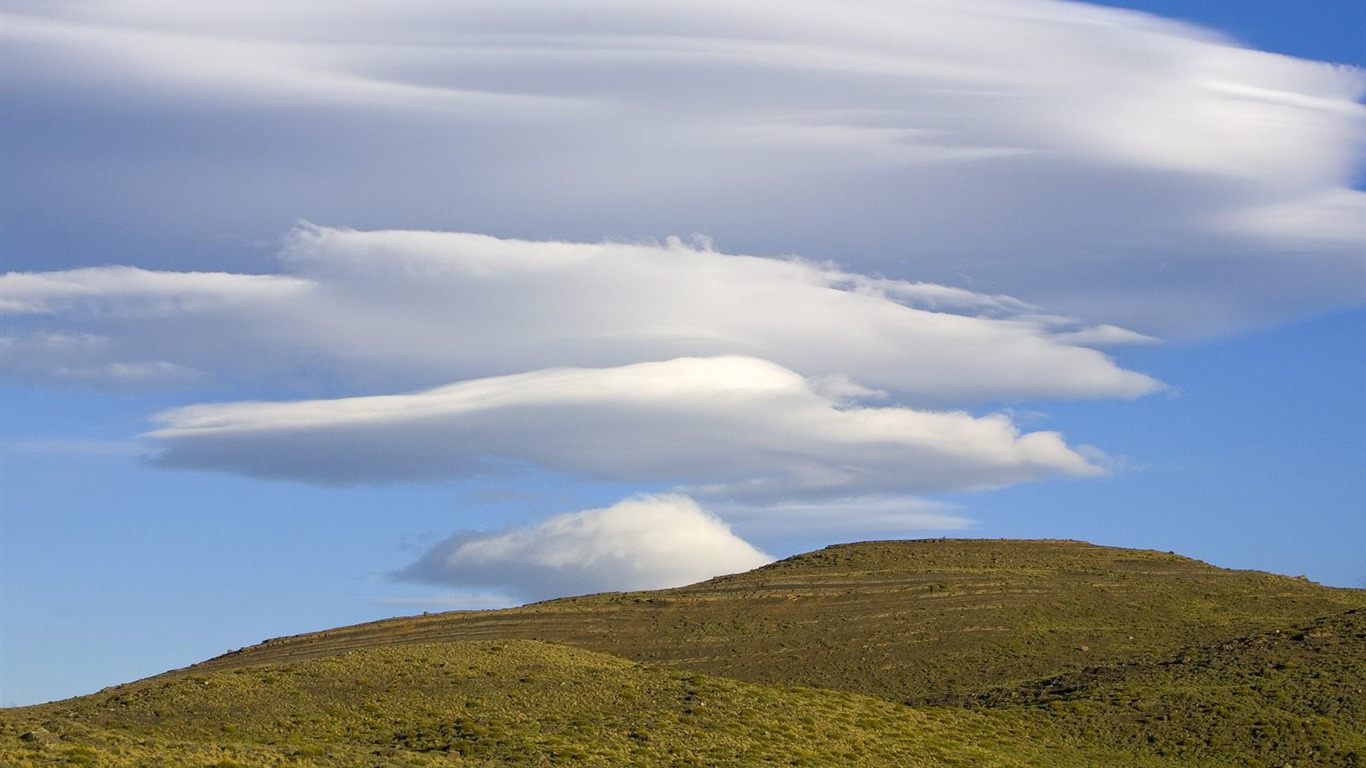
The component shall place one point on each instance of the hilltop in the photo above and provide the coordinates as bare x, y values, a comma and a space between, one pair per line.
935, 652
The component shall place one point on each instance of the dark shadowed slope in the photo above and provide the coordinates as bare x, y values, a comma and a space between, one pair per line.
1293, 696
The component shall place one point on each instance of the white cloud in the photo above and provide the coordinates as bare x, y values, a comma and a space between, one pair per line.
462, 601
1102, 336
85, 359
724, 426
232, 67
393, 310
77, 447
1335, 217
118, 291
1099, 162
1050, 157
846, 519
826, 422
647, 542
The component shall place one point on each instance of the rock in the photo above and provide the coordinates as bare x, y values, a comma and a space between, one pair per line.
38, 736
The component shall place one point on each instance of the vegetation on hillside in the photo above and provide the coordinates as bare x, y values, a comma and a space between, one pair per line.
1294, 696
900, 620
933, 653
506, 703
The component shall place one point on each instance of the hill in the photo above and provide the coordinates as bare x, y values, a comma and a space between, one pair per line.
884, 653
514, 702
900, 620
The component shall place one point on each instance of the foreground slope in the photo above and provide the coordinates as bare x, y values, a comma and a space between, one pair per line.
1274, 699
508, 703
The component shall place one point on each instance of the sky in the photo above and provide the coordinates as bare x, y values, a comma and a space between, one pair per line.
318, 313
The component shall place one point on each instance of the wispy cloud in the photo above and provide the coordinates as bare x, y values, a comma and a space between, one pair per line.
921, 206
120, 291
1098, 162
396, 309
177, 53
851, 518
114, 448
460, 601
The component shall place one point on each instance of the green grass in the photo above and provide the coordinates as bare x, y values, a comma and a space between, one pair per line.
929, 653
898, 620
1281, 697
509, 703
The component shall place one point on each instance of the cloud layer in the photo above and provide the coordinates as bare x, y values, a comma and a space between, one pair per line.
646, 542
793, 395
1057, 160
395, 310
730, 426
1103, 163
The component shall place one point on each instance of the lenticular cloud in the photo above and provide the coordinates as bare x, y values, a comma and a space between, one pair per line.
646, 542
1058, 160
1099, 162
673, 365
394, 310
730, 426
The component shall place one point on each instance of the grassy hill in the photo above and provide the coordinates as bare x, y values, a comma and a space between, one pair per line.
942, 652
514, 702
900, 620
1282, 697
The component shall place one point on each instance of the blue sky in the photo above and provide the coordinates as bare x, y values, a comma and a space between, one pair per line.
316, 314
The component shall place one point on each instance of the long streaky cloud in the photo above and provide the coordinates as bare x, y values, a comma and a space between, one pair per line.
1099, 162
398, 310
118, 291
724, 426
923, 211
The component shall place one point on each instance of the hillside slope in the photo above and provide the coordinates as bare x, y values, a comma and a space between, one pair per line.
918, 653
900, 620
509, 703
1281, 697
